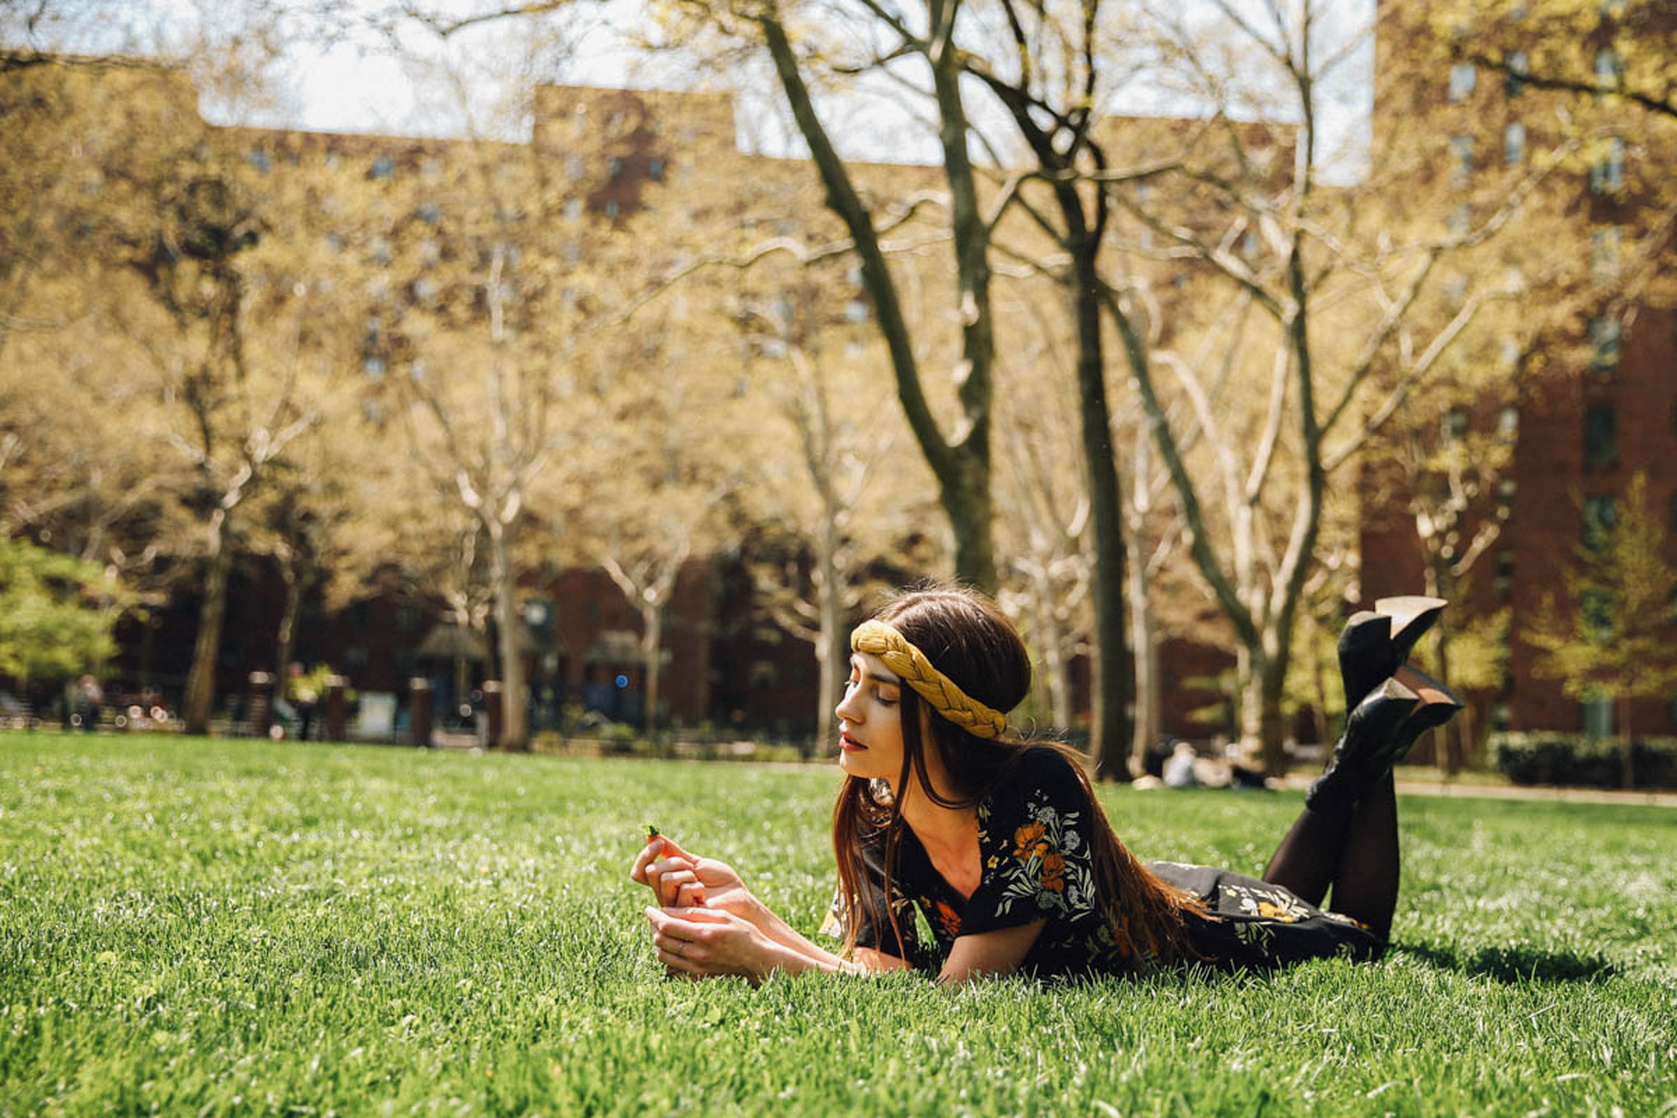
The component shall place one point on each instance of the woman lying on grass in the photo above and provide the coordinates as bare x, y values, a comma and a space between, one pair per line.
1004, 849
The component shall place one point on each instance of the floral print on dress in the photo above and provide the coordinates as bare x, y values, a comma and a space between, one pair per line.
1269, 903
1043, 866
945, 919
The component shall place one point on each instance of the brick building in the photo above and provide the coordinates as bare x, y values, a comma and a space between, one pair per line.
1583, 390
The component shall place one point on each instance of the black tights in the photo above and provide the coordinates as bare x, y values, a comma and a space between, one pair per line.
1355, 851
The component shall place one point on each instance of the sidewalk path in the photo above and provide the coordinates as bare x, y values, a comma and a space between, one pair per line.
1520, 792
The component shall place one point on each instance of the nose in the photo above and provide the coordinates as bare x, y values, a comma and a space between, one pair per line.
848, 703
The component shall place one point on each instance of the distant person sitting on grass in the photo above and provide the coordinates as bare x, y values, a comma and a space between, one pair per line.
1008, 855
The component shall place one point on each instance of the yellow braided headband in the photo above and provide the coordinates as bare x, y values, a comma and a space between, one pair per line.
879, 639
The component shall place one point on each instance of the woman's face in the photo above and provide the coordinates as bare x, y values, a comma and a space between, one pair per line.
870, 720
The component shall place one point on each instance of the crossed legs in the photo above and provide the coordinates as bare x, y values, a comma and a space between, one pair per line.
1353, 850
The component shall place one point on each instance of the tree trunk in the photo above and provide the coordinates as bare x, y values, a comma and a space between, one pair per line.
1149, 691
200, 681
1449, 740
652, 643
1319, 715
832, 653
1110, 719
962, 465
285, 639
1627, 758
514, 705
1056, 672
1262, 729
970, 511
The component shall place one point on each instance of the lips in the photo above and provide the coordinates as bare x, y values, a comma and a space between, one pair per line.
850, 744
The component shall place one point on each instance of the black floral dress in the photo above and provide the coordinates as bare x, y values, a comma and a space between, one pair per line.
1033, 838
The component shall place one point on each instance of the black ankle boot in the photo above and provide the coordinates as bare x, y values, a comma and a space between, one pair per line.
1362, 755
1365, 655
1437, 705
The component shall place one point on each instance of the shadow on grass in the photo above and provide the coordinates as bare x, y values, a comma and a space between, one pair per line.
1515, 964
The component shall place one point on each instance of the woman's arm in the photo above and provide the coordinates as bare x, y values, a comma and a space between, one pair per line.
997, 952
681, 880
707, 942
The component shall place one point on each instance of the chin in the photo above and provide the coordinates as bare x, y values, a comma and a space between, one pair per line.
855, 764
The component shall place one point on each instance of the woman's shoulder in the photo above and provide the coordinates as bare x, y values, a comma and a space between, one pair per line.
1043, 775
1049, 767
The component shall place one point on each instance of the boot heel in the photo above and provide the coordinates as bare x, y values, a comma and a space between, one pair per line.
1411, 615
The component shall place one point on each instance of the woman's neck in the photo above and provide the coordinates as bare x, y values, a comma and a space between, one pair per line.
943, 831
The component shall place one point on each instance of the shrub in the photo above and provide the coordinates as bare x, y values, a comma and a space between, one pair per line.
1582, 759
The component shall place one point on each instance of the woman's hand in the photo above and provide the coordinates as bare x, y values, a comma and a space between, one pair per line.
681, 880
708, 943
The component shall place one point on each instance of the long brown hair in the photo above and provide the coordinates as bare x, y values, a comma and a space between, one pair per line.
972, 642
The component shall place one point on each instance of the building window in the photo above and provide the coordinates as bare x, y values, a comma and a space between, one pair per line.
430, 213
1461, 151
1605, 243
259, 159
1606, 340
1511, 353
1508, 422
1609, 70
612, 209
1519, 65
1463, 77
1514, 144
381, 250
383, 167
614, 166
655, 170
1595, 609
1607, 173
1505, 497
1502, 574
1598, 715
373, 366
1502, 717
1600, 515
856, 311
1601, 437
1455, 426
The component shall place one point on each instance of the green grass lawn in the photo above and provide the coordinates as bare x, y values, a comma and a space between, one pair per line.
191, 926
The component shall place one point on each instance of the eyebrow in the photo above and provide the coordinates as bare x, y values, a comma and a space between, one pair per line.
887, 680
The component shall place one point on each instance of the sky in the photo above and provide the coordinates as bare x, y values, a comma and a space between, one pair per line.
359, 83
